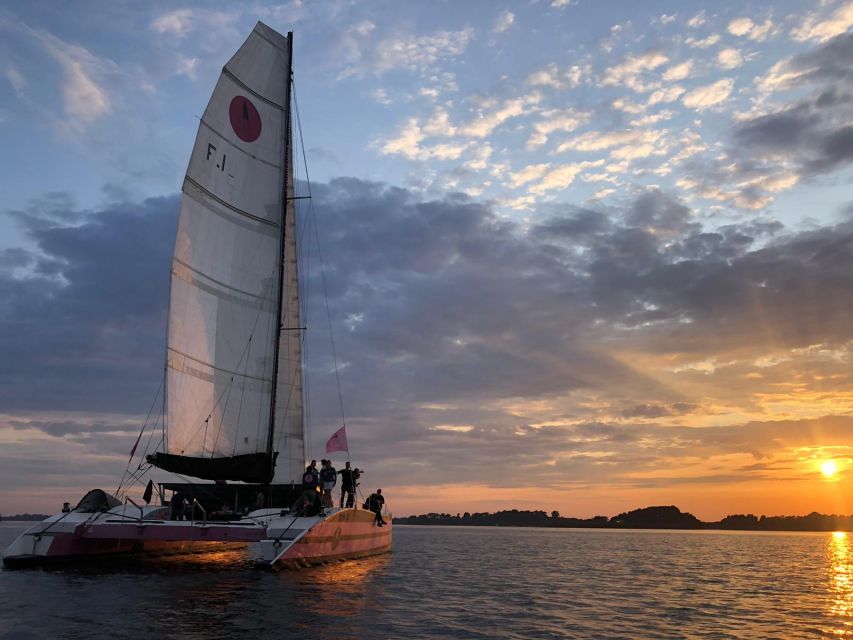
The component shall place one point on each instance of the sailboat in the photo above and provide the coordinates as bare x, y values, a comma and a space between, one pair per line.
233, 406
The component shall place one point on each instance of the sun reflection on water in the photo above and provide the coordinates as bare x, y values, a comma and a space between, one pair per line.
840, 576
338, 589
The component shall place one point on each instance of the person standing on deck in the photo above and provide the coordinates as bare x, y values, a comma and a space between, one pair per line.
328, 480
178, 506
348, 483
311, 478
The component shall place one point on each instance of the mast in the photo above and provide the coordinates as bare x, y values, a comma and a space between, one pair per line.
284, 200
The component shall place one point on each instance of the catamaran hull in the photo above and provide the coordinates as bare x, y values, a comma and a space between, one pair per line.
344, 535
280, 541
84, 536
64, 549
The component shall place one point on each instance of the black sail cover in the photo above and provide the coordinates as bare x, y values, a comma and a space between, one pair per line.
250, 467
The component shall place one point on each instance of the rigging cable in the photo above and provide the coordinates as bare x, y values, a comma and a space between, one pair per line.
322, 264
144, 426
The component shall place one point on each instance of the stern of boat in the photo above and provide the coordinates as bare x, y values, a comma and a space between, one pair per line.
342, 534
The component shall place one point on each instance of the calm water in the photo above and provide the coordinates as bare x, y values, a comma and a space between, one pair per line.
462, 583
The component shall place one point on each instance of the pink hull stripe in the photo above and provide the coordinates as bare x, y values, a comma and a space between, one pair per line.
68, 546
161, 532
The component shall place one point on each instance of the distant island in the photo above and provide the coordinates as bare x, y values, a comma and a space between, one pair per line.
669, 517
26, 517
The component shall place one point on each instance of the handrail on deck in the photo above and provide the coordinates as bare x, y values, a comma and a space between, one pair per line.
130, 500
203, 512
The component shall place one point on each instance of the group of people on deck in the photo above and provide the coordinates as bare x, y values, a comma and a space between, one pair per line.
318, 486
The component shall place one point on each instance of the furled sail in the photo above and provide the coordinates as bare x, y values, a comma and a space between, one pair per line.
226, 296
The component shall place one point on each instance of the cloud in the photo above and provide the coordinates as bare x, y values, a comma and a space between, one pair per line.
364, 53
760, 33
599, 140
629, 72
187, 67
85, 97
527, 174
491, 114
740, 26
678, 72
710, 41
811, 132
85, 329
825, 64
555, 120
626, 105
551, 76
562, 176
15, 78
412, 133
612, 301
504, 21
709, 95
407, 142
213, 28
812, 28
480, 157
729, 59
176, 23
381, 96
669, 94
746, 27
697, 21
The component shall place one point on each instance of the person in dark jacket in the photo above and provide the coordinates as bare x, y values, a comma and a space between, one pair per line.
349, 481
311, 477
177, 506
374, 503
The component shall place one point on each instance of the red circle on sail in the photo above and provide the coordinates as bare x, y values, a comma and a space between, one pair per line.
245, 119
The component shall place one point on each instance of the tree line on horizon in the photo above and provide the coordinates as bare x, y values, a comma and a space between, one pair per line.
664, 517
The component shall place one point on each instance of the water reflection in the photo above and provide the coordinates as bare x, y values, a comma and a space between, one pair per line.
341, 589
839, 562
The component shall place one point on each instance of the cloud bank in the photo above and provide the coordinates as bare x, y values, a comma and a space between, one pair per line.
610, 347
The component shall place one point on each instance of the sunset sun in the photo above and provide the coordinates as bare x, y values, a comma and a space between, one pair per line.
829, 468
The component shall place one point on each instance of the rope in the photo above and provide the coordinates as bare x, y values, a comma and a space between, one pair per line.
144, 426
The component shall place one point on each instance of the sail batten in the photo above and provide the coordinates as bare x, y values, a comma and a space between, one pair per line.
227, 271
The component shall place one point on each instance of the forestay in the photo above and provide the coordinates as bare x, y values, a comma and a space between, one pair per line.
225, 289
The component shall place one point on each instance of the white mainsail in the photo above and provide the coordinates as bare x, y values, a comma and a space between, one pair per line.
225, 293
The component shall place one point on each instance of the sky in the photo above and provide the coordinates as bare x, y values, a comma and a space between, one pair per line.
584, 256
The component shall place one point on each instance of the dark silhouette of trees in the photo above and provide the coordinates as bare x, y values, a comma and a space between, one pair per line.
662, 517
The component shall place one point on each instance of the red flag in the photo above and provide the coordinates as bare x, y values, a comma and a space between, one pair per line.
136, 444
338, 441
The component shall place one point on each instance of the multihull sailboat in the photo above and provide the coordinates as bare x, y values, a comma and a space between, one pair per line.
233, 389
